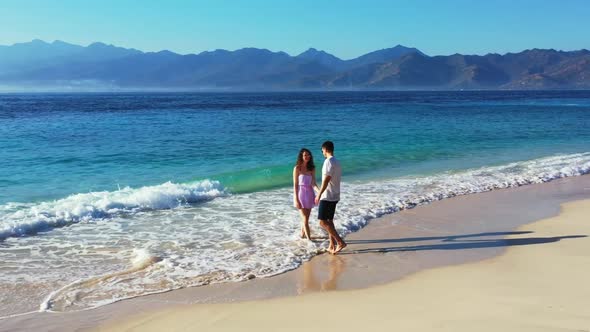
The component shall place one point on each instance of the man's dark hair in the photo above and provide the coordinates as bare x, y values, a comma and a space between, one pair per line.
328, 145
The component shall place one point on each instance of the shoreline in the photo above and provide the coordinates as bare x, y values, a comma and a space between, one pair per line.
452, 231
533, 286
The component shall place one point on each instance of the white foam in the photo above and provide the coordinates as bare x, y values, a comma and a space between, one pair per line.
67, 295
143, 258
407, 192
21, 219
239, 236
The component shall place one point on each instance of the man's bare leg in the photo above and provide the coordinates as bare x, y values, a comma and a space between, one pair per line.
340, 243
324, 225
332, 244
336, 242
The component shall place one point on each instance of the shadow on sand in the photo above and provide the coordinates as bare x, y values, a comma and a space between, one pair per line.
458, 242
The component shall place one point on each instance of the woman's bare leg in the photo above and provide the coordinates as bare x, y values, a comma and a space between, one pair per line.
305, 233
305, 226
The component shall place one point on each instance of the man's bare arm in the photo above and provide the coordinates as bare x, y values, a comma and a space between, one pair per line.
325, 182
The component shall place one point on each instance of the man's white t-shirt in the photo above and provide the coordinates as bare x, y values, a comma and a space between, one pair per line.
332, 168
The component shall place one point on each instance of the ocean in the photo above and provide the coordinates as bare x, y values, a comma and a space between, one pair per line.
105, 197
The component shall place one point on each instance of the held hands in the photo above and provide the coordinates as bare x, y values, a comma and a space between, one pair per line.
317, 200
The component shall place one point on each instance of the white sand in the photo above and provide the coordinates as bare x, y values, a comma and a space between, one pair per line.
542, 283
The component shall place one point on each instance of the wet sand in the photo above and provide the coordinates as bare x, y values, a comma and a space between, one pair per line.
449, 232
539, 284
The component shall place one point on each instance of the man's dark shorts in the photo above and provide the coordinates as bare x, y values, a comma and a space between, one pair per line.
326, 210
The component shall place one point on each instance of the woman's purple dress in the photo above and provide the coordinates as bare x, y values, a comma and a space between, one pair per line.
306, 194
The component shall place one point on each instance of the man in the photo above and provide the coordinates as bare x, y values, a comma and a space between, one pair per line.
329, 196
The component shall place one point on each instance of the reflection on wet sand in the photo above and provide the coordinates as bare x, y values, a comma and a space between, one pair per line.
310, 282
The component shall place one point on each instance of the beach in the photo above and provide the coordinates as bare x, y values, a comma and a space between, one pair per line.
178, 199
425, 246
529, 288
176, 191
308, 172
538, 284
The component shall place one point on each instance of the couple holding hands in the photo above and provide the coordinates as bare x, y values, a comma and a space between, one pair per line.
304, 197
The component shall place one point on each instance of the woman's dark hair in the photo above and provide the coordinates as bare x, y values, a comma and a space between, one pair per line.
310, 164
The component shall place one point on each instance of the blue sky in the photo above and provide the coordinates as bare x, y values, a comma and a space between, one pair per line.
344, 28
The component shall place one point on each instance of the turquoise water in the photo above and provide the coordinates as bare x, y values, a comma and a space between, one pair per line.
143, 193
58, 145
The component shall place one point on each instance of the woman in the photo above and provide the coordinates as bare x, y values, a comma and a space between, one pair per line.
303, 186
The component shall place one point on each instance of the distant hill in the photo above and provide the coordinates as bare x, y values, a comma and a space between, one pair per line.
381, 56
37, 54
60, 64
323, 58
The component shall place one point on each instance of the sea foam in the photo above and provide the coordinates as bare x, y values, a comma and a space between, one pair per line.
166, 244
23, 219
253, 235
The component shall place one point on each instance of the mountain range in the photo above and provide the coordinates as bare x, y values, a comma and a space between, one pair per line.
100, 66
